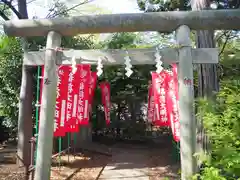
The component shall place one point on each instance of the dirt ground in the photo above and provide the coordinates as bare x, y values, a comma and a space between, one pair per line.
90, 166
8, 168
161, 166
87, 166
156, 162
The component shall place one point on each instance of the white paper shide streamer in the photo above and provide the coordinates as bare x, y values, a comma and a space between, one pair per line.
99, 67
158, 61
74, 65
128, 66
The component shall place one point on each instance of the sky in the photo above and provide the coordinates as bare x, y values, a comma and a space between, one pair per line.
39, 8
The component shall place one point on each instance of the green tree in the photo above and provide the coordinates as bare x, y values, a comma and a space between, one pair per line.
221, 119
10, 69
172, 5
12, 89
127, 93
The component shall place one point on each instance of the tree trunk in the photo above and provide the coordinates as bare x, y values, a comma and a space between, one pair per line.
22, 9
207, 73
25, 126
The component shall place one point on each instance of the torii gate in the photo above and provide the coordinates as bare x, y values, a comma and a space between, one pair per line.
162, 22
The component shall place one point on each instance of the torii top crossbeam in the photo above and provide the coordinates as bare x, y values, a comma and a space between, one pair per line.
161, 21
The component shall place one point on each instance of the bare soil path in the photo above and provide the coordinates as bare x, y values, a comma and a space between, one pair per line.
131, 162
128, 162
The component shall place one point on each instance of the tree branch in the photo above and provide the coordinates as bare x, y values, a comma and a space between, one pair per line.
224, 33
69, 9
27, 2
4, 16
2, 12
9, 4
225, 43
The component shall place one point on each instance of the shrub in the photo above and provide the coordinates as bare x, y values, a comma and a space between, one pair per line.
221, 120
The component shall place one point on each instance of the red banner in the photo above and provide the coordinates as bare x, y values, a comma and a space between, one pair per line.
70, 109
175, 78
151, 105
105, 89
73, 92
83, 101
160, 90
61, 101
173, 106
92, 87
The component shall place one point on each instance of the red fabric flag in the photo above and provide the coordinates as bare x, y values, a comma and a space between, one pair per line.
105, 89
92, 87
151, 105
175, 78
160, 90
61, 101
173, 103
83, 101
73, 92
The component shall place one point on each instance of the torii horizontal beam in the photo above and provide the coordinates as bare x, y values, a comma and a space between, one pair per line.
109, 23
116, 57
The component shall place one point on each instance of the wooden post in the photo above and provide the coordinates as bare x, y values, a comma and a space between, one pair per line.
45, 139
186, 104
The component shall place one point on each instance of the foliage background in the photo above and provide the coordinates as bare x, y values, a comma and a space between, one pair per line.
222, 120
221, 117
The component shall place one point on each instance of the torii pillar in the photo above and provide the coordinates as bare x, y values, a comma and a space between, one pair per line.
186, 104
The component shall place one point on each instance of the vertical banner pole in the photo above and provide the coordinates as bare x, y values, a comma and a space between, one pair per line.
37, 111
75, 142
59, 150
37, 98
69, 144
186, 104
47, 114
